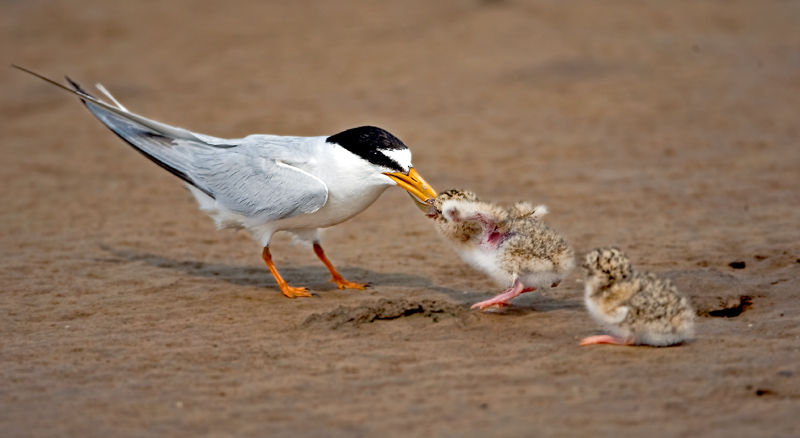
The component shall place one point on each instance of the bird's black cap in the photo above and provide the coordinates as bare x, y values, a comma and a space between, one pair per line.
367, 142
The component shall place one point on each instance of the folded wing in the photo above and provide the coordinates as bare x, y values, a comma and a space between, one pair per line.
257, 176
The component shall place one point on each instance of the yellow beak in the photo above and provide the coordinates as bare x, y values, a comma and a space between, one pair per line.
414, 185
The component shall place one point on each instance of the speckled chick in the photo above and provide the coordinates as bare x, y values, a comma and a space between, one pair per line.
511, 245
636, 307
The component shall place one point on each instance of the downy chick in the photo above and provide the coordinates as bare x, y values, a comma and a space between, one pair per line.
637, 308
511, 245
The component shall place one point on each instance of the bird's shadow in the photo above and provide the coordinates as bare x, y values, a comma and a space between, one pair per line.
313, 276
317, 278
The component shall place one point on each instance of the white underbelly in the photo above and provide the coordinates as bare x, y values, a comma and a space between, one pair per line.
485, 261
335, 211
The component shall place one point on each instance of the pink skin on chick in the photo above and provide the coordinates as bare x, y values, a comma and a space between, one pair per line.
504, 298
605, 339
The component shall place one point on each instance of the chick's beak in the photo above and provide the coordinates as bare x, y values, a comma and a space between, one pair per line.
415, 186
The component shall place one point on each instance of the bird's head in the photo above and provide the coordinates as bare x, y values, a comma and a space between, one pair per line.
435, 208
608, 264
390, 156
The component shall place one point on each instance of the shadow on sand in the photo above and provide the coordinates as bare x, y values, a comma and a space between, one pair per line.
316, 278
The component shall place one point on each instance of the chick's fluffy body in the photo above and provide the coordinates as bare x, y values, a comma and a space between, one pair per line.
635, 305
508, 244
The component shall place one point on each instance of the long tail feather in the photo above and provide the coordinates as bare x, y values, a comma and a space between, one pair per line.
174, 149
161, 128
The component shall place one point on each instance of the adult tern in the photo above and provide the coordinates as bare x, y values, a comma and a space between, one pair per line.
270, 183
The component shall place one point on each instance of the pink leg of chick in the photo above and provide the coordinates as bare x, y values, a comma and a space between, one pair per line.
504, 298
605, 339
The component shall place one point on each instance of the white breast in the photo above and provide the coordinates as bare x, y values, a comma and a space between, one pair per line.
591, 305
353, 185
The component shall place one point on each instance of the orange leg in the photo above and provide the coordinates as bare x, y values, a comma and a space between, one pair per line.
337, 278
605, 339
289, 291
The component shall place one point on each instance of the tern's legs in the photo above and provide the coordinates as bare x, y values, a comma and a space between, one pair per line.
605, 339
337, 278
289, 291
504, 298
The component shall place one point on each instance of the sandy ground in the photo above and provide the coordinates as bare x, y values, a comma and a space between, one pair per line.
667, 128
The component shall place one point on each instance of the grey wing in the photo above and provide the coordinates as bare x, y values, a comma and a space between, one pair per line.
256, 182
174, 154
249, 176
245, 176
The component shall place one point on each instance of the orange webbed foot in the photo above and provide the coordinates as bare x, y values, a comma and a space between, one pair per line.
341, 283
295, 292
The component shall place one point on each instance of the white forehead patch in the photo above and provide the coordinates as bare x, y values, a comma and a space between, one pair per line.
401, 156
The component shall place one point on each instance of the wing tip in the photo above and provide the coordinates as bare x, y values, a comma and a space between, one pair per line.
78, 88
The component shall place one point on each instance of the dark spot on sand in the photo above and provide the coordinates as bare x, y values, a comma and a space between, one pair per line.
760, 257
729, 307
387, 310
763, 392
736, 265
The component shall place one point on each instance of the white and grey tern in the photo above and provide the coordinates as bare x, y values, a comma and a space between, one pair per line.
271, 183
